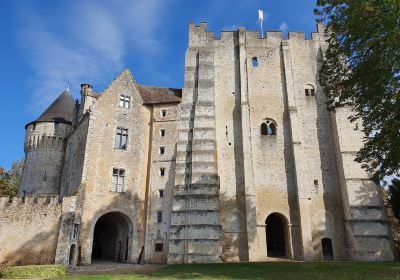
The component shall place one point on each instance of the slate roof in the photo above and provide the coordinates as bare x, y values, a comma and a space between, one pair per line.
61, 110
155, 95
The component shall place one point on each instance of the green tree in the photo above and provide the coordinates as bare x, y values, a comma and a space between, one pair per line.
394, 197
10, 180
361, 69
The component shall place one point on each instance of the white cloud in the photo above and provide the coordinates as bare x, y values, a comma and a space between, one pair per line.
283, 27
88, 45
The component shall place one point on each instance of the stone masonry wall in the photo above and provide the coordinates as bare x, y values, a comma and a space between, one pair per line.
29, 229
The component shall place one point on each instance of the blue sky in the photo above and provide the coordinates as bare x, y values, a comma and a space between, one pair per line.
44, 44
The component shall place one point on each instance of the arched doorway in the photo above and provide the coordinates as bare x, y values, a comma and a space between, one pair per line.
111, 238
275, 236
327, 250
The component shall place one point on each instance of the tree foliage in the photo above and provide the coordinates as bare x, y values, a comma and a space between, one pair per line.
394, 197
361, 69
10, 180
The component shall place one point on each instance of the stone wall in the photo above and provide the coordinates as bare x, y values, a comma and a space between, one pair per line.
29, 229
158, 232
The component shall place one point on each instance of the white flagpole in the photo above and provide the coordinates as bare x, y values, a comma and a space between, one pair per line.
261, 19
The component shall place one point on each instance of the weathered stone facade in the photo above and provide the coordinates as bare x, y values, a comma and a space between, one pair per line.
244, 164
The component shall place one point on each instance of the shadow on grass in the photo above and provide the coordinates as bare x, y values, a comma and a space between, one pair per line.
281, 271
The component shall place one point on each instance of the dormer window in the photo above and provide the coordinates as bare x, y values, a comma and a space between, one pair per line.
124, 101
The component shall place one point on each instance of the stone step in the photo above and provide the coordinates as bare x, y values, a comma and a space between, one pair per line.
195, 217
195, 232
199, 189
195, 203
196, 178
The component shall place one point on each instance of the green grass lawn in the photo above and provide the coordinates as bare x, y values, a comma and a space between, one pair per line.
280, 271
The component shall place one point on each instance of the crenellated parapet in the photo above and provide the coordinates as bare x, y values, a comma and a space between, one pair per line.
36, 142
30, 200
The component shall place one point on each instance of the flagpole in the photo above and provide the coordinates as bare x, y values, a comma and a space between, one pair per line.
262, 31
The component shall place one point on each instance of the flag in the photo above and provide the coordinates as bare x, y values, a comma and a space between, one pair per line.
260, 15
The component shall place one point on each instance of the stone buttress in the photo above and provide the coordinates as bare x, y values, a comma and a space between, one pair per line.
195, 232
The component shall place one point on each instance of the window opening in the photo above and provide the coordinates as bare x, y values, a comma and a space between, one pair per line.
159, 217
254, 62
121, 139
159, 247
162, 150
161, 193
124, 101
118, 180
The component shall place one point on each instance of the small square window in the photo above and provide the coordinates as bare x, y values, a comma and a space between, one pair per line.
315, 182
163, 113
162, 150
161, 193
124, 101
162, 171
254, 62
159, 217
162, 132
159, 247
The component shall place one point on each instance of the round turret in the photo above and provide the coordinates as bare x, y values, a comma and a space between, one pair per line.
44, 147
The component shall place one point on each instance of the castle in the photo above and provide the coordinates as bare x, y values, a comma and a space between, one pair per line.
245, 163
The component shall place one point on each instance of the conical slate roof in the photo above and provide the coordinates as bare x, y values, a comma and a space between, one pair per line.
61, 110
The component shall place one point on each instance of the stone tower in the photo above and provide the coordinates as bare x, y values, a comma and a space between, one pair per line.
44, 147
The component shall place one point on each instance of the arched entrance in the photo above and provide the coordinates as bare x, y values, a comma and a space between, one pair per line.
275, 235
111, 238
327, 250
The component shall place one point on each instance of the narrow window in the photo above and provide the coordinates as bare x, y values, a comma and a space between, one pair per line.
159, 247
75, 231
56, 125
121, 138
316, 183
159, 217
162, 132
33, 127
272, 129
162, 150
254, 62
264, 129
163, 113
162, 171
161, 193
118, 180
124, 101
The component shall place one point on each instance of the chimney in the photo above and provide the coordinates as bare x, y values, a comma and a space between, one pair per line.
86, 88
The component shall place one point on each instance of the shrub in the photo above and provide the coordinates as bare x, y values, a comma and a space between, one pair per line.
32, 271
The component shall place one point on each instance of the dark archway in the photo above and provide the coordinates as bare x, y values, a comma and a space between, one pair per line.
275, 235
111, 237
72, 253
327, 250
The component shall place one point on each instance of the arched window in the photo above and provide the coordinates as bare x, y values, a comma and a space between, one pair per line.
309, 90
268, 127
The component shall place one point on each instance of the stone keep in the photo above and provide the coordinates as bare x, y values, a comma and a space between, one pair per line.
243, 164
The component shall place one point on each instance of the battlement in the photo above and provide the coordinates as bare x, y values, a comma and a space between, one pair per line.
36, 142
50, 200
200, 36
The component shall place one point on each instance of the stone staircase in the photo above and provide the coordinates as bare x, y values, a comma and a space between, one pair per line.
195, 232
